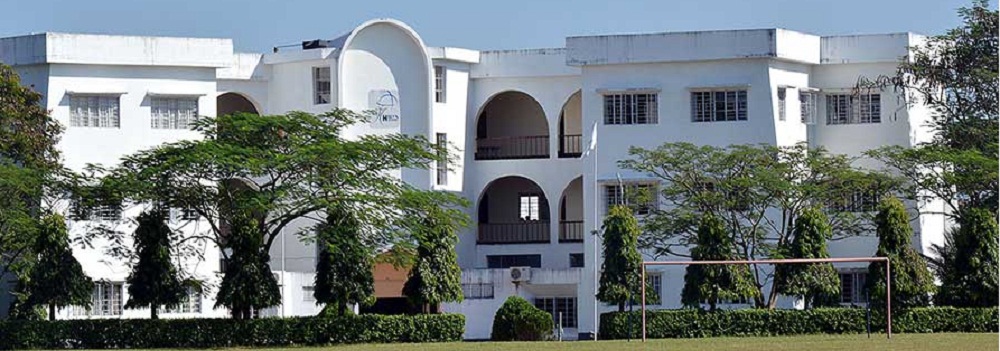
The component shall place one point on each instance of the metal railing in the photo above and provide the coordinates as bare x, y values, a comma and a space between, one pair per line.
514, 233
512, 147
569, 146
570, 231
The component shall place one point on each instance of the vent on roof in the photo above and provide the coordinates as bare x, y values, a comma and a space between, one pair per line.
315, 44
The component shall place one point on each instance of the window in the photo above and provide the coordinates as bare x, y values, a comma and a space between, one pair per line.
190, 303
575, 260
439, 83
507, 261
718, 106
654, 281
630, 108
742, 300
442, 163
99, 111
853, 109
173, 112
102, 211
106, 300
559, 306
856, 200
781, 104
307, 294
321, 85
189, 214
530, 206
641, 197
477, 291
807, 107
853, 287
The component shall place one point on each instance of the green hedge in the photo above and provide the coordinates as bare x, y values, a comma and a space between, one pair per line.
693, 323
212, 333
519, 320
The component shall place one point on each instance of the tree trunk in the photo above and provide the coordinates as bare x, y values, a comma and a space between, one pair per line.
713, 301
621, 306
772, 298
52, 311
435, 308
152, 312
341, 308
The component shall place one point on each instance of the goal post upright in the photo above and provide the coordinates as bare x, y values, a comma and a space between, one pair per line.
888, 286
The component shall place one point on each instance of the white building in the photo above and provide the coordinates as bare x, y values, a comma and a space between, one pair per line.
526, 121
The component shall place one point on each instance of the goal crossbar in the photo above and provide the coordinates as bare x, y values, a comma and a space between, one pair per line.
888, 286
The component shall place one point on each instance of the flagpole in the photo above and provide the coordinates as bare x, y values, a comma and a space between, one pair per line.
597, 201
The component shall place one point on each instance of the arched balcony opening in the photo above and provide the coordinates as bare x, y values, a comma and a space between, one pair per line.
230, 103
571, 212
571, 127
512, 125
513, 210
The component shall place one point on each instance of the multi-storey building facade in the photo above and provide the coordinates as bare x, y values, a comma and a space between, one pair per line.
540, 133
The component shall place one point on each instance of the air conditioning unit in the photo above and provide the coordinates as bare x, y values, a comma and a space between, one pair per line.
520, 274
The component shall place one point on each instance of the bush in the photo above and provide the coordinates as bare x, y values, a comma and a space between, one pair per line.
216, 333
519, 320
695, 323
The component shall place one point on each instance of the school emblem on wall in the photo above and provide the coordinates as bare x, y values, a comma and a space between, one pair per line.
385, 107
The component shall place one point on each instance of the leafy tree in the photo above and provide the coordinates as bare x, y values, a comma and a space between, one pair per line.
57, 279
154, 280
967, 262
817, 283
435, 276
519, 320
911, 281
250, 176
344, 266
29, 171
758, 191
955, 76
619, 282
714, 282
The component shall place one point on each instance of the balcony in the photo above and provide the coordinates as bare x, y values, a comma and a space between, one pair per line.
569, 146
571, 231
512, 147
527, 232
570, 129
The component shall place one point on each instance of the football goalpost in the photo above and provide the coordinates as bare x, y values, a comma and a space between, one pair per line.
888, 303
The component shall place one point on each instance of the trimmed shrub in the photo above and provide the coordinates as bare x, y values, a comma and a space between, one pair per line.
695, 323
519, 320
216, 333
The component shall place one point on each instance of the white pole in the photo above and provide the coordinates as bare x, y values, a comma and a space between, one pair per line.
597, 221
283, 285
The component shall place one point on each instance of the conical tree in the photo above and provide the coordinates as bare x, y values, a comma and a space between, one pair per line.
435, 276
968, 262
911, 281
619, 280
246, 270
713, 282
154, 281
344, 267
817, 283
57, 279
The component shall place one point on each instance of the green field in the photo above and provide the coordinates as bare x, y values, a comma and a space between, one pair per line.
902, 342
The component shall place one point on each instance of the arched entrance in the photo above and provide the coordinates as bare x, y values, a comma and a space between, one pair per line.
230, 103
512, 125
513, 210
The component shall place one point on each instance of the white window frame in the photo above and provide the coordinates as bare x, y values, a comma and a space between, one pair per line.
322, 86
857, 279
782, 108
720, 104
440, 84
807, 106
846, 108
173, 112
613, 196
640, 106
442, 165
190, 303
530, 206
105, 300
95, 110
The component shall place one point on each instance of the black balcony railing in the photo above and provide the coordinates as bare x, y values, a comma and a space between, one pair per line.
569, 146
514, 233
512, 147
570, 231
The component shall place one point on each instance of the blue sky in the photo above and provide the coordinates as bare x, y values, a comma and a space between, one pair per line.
260, 24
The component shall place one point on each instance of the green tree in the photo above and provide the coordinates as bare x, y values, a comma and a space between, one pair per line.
344, 266
435, 276
758, 191
712, 283
154, 280
57, 279
619, 282
911, 281
967, 262
250, 176
817, 283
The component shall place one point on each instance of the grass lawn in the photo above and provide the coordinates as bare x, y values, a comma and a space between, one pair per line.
901, 342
